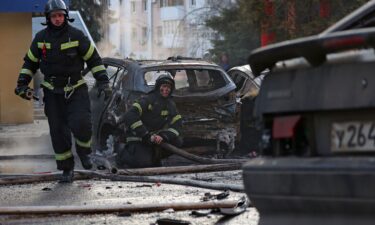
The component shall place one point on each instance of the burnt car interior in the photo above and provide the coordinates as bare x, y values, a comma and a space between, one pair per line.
204, 96
189, 81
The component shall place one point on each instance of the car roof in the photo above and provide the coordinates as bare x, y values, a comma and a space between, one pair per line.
160, 63
175, 62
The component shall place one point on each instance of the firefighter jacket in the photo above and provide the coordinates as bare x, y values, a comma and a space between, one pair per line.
60, 54
153, 114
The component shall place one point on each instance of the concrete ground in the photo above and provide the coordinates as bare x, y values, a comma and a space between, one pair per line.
33, 139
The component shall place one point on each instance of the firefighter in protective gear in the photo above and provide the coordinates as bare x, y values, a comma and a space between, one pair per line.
151, 120
60, 52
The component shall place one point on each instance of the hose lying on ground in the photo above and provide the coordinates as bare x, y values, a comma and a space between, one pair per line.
180, 169
71, 209
234, 163
171, 180
85, 174
91, 174
196, 158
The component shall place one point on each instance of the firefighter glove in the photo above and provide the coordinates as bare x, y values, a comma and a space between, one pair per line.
147, 139
104, 88
24, 92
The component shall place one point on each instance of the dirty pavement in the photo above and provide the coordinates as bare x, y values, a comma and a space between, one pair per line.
181, 198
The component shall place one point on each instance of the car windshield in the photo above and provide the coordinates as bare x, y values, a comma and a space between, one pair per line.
190, 80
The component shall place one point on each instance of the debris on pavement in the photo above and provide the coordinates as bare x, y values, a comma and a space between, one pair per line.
167, 221
200, 213
241, 207
208, 196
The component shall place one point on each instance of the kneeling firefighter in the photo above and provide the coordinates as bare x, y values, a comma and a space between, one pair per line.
151, 120
60, 51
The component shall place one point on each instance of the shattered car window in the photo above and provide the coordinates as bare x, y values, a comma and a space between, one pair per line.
151, 76
114, 74
239, 79
181, 79
192, 81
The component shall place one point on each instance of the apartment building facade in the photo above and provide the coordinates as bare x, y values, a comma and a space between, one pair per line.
157, 29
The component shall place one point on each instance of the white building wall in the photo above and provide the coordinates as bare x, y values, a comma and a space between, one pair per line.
114, 28
126, 41
136, 34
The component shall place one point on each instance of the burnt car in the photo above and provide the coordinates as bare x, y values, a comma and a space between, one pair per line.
318, 127
245, 80
204, 95
247, 87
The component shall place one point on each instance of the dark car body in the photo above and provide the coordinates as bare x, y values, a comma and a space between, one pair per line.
318, 127
204, 96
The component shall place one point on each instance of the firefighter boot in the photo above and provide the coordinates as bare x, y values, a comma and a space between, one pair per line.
85, 161
67, 176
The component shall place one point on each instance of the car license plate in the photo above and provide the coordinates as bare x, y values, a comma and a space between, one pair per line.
353, 136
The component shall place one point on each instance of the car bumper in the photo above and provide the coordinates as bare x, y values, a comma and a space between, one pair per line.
326, 190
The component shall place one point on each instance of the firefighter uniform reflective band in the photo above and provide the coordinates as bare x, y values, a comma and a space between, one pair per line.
70, 44
164, 113
133, 139
41, 44
97, 69
173, 131
64, 156
70, 88
27, 72
31, 56
89, 52
84, 144
136, 124
66, 88
177, 117
138, 106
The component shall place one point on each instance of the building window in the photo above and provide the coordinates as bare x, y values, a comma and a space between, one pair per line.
170, 26
132, 5
144, 36
193, 2
134, 33
159, 35
168, 3
144, 4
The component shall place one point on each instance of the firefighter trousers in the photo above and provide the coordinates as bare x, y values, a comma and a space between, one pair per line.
66, 117
136, 154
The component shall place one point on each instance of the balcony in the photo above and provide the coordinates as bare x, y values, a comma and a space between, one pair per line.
172, 13
173, 41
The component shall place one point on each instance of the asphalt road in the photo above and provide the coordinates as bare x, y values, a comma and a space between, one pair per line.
107, 193
33, 139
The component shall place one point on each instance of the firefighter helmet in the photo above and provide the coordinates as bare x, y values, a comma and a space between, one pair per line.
55, 5
164, 79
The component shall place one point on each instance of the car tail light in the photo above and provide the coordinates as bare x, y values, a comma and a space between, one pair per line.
284, 127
